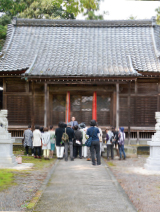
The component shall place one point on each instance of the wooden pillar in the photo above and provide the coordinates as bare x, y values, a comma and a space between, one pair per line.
135, 105
158, 96
4, 94
94, 106
113, 122
46, 104
129, 110
117, 105
33, 106
68, 105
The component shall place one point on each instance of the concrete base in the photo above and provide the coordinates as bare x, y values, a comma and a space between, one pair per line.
7, 159
22, 166
153, 162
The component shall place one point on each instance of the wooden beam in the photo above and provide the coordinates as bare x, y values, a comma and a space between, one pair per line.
129, 111
117, 105
33, 106
45, 104
113, 108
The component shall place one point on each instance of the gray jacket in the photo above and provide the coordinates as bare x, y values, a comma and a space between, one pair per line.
110, 134
28, 135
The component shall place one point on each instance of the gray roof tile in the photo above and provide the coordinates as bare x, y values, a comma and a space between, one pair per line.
81, 48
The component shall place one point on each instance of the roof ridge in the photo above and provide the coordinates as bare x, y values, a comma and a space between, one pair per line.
82, 23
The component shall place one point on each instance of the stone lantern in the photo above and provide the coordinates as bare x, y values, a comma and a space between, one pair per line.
153, 162
7, 159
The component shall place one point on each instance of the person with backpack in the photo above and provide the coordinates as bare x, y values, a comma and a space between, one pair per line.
93, 132
59, 143
116, 138
109, 141
77, 142
121, 143
67, 137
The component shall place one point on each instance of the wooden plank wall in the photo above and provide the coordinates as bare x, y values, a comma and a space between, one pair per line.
143, 104
18, 100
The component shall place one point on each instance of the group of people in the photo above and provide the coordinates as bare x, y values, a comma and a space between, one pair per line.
115, 137
40, 139
73, 136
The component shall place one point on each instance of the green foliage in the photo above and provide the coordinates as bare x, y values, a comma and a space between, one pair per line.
6, 179
132, 17
158, 15
49, 9
3, 30
89, 7
38, 163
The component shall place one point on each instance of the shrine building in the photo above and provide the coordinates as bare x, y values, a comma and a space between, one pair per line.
51, 70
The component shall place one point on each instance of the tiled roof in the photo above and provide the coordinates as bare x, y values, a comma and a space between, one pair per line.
81, 48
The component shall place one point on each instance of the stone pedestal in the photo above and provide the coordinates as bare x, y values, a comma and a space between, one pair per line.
153, 162
7, 159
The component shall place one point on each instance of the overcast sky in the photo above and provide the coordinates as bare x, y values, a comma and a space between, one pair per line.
121, 9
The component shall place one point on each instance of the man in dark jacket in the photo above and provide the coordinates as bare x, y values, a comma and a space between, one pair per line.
70, 133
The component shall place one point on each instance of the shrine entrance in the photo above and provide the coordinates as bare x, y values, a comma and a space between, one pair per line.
81, 108
84, 106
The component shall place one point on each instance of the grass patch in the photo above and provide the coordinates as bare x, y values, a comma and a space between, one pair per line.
6, 179
111, 164
34, 200
38, 163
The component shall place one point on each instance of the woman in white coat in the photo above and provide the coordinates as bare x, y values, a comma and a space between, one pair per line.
37, 142
83, 129
46, 144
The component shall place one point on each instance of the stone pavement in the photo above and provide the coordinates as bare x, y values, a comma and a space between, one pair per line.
77, 186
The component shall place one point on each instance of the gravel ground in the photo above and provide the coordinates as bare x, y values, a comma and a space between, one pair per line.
142, 186
15, 198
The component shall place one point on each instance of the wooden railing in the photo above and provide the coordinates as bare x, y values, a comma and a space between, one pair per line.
16, 133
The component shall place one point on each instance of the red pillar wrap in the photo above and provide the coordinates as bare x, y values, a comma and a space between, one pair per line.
94, 106
68, 106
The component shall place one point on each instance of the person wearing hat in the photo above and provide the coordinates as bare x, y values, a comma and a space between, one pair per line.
121, 143
95, 146
83, 129
70, 133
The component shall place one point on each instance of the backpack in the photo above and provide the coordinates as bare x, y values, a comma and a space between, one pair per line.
89, 140
65, 137
121, 139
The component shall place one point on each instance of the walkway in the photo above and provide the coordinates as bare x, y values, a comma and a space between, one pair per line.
77, 186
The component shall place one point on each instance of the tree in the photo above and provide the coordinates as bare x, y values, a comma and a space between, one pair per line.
49, 9
53, 9
158, 15
89, 7
132, 17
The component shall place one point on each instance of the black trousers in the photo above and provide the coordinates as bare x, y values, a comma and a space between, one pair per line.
110, 149
95, 146
37, 149
27, 150
76, 150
